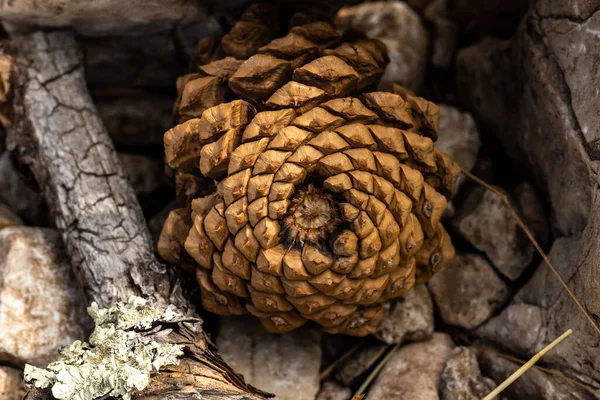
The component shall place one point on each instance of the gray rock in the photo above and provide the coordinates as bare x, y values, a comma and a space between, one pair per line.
401, 29
517, 91
11, 384
15, 193
359, 362
331, 390
7, 217
413, 372
445, 33
468, 291
461, 378
487, 223
408, 318
535, 383
459, 137
102, 17
284, 364
145, 173
543, 289
536, 93
531, 210
41, 308
519, 328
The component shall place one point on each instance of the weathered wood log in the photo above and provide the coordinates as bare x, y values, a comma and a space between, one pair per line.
57, 133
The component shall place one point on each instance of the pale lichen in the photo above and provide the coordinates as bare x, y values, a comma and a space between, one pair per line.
122, 353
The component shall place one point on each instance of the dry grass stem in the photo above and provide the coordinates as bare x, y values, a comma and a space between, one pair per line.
525, 367
359, 393
506, 200
549, 371
329, 369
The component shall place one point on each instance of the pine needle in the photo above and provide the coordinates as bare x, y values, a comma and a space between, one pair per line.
359, 393
506, 201
329, 369
525, 367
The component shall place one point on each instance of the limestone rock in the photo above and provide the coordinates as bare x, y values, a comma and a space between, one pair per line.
285, 364
531, 210
331, 390
408, 318
401, 29
16, 194
535, 93
359, 362
445, 33
468, 291
413, 372
535, 383
7, 217
11, 384
544, 288
459, 137
519, 95
41, 308
102, 17
487, 223
461, 378
517, 328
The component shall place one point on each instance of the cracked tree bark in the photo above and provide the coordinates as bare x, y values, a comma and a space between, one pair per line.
56, 131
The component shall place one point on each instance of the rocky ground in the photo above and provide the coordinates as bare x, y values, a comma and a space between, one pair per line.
518, 91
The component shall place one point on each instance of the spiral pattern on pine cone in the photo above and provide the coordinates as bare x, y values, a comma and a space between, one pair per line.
327, 205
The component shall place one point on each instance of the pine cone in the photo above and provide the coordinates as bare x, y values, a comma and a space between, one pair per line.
329, 196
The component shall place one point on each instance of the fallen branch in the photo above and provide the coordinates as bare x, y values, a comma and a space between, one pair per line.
506, 201
57, 133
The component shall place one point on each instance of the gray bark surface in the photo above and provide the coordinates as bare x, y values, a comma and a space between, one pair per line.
58, 134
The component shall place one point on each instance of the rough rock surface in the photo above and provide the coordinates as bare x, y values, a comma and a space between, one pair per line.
11, 384
41, 308
401, 29
461, 378
535, 383
284, 364
537, 93
413, 372
518, 328
543, 289
7, 217
459, 137
468, 291
445, 34
531, 210
408, 318
15, 193
331, 390
99, 17
359, 362
487, 223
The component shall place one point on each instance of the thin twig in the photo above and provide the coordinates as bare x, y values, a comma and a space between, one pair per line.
327, 371
375, 372
505, 199
525, 367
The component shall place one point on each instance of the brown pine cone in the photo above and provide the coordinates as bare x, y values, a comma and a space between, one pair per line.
329, 196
